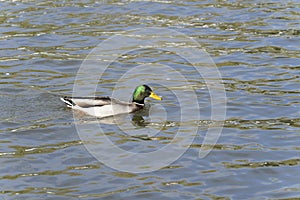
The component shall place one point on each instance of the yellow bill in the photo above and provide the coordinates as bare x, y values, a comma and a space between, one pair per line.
155, 96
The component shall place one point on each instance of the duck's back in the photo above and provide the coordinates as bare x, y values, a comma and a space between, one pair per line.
100, 106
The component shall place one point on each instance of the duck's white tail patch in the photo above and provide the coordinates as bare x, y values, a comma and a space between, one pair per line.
68, 101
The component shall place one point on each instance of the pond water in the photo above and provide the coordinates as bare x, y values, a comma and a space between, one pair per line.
46, 152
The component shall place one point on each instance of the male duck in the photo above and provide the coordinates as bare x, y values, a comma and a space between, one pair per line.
106, 106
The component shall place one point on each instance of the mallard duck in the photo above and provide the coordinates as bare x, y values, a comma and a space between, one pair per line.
106, 106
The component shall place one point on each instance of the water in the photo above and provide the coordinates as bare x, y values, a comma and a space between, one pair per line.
255, 46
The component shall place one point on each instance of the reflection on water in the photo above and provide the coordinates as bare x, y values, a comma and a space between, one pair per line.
254, 45
139, 121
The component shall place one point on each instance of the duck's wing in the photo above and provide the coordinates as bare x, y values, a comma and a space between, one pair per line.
100, 106
86, 102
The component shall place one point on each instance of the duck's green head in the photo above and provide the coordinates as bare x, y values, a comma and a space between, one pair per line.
143, 91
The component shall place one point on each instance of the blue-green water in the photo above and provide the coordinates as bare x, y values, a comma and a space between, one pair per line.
255, 46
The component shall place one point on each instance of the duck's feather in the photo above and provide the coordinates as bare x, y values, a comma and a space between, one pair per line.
86, 102
101, 106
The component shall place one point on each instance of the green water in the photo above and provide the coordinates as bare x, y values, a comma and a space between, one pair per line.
255, 46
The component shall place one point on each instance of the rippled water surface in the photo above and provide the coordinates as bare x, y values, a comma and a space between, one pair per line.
255, 46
